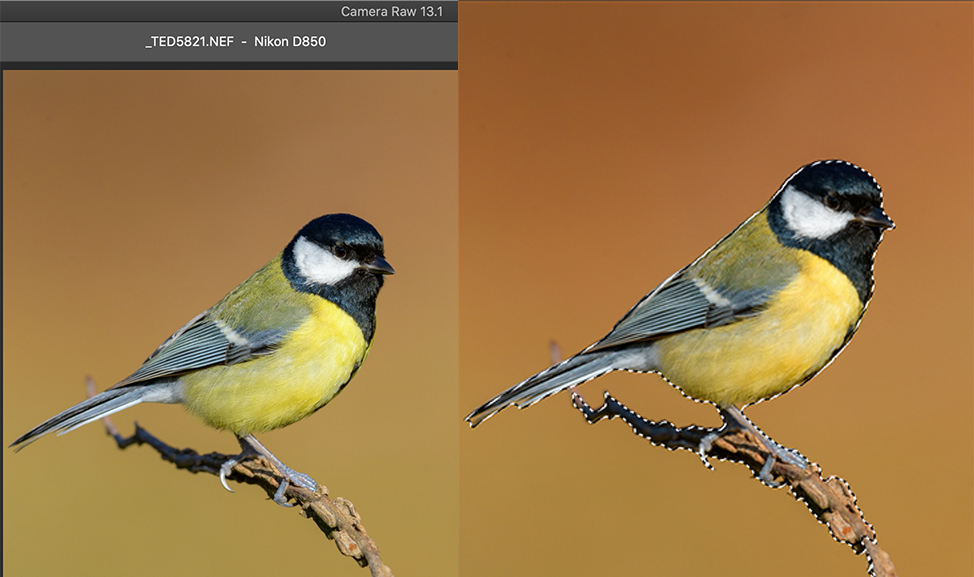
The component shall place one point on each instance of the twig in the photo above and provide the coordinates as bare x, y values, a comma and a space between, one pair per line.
830, 500
338, 519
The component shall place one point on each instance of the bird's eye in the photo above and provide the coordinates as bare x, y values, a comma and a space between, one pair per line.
832, 201
339, 251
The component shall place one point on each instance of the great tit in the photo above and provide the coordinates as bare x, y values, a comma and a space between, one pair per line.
759, 313
270, 353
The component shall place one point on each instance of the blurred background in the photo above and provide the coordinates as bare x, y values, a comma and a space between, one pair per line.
605, 146
133, 200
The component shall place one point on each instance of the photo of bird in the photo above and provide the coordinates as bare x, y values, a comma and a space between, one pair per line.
761, 312
273, 351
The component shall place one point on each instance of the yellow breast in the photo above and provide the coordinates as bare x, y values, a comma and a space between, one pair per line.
801, 329
305, 372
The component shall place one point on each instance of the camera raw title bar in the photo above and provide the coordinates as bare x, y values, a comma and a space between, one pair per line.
327, 34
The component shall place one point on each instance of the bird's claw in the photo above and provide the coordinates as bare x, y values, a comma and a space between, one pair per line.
778, 453
289, 476
765, 474
791, 456
704, 447
302, 480
225, 470
280, 496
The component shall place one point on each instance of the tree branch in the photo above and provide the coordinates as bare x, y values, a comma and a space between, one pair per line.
337, 519
830, 500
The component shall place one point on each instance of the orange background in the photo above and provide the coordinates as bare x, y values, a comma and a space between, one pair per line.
603, 147
133, 201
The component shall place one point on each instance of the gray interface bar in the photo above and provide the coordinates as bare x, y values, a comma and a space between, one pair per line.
224, 11
31, 34
228, 42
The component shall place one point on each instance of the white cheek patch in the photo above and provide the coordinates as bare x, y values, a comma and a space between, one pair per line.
809, 218
319, 265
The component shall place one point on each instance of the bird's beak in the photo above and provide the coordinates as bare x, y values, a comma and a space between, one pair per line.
876, 217
379, 265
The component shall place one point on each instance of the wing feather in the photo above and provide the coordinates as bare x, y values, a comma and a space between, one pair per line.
202, 343
681, 304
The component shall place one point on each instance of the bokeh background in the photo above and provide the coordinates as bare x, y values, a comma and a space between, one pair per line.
132, 200
603, 147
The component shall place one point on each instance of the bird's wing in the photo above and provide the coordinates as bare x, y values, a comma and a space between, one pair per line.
244, 325
679, 304
683, 303
204, 342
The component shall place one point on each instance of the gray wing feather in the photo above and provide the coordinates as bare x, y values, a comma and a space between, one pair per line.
574, 371
203, 343
681, 303
677, 305
102, 404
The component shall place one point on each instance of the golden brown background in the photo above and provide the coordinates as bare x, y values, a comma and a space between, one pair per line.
603, 147
134, 200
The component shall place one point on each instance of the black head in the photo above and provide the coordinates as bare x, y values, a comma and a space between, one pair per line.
339, 257
834, 209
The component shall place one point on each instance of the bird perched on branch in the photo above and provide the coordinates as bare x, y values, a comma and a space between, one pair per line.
276, 349
759, 313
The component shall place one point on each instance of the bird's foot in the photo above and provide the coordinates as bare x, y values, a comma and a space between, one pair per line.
291, 477
288, 475
786, 455
704, 447
775, 451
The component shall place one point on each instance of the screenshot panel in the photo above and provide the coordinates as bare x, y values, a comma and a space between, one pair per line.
606, 145
156, 155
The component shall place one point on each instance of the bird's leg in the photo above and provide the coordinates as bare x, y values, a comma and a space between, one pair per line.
288, 475
734, 415
229, 464
251, 445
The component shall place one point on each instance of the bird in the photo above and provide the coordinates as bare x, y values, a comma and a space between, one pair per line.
273, 351
759, 313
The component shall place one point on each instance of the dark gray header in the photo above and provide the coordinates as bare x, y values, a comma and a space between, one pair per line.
175, 42
254, 35
209, 11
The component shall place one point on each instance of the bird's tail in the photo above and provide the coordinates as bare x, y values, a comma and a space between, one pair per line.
101, 405
579, 369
